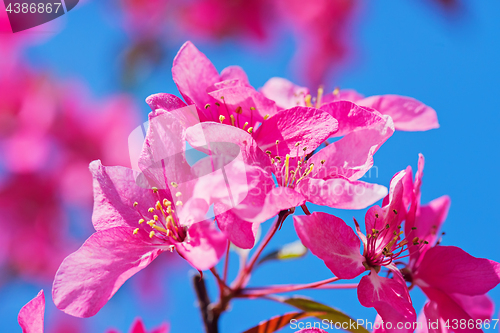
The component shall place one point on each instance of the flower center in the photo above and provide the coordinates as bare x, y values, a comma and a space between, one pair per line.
161, 220
290, 171
384, 246
247, 120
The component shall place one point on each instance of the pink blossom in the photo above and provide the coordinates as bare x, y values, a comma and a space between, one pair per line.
333, 241
455, 282
134, 224
407, 113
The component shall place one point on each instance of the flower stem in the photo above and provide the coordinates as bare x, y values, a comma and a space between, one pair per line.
263, 291
226, 262
210, 317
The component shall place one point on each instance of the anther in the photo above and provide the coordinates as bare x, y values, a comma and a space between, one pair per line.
232, 119
395, 211
245, 125
221, 118
239, 110
136, 230
155, 189
307, 99
336, 91
207, 106
135, 204
222, 97
178, 203
217, 103
141, 221
322, 162
151, 209
252, 108
155, 217
178, 194
266, 117
250, 130
174, 184
151, 234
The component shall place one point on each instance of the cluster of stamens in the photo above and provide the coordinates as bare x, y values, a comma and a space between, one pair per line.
161, 219
290, 171
234, 119
394, 248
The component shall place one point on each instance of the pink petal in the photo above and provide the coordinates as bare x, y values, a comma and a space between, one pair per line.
204, 247
352, 156
276, 200
352, 117
408, 113
193, 73
30, 317
428, 222
452, 270
448, 309
333, 241
89, 277
308, 127
430, 319
162, 101
389, 298
284, 93
235, 73
341, 193
115, 191
240, 232
478, 307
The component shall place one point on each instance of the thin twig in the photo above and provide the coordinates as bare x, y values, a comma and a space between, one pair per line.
210, 319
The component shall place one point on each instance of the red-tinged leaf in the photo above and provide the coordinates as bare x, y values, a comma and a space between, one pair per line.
278, 322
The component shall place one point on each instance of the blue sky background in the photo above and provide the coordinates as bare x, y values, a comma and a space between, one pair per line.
403, 47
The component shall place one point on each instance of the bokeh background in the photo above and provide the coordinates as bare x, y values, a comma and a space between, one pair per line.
97, 68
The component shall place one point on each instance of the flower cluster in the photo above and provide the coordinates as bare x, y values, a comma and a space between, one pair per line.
268, 152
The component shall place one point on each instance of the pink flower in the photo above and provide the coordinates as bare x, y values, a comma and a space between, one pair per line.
333, 241
407, 113
133, 225
455, 282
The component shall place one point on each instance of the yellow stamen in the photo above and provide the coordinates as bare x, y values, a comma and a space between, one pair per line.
174, 184
252, 108
141, 221
160, 229
221, 118
232, 119
151, 234
320, 95
151, 223
166, 203
178, 203
266, 117
245, 125
250, 130
207, 106
336, 91
158, 205
155, 189
178, 194
307, 99
155, 217
136, 230
135, 204
151, 209
287, 162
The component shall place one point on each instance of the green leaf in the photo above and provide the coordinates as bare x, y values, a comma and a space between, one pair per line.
324, 312
278, 322
288, 251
